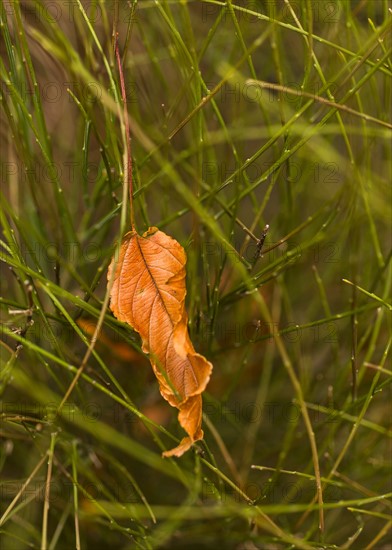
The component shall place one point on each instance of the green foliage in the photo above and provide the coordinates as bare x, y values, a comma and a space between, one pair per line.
242, 114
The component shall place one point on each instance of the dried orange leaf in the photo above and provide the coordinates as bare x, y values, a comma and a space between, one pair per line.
148, 293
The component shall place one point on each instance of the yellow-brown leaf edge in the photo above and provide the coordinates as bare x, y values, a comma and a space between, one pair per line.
148, 293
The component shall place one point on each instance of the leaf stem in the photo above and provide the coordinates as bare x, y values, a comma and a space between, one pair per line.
128, 161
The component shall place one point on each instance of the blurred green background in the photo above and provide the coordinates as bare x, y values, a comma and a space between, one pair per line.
242, 114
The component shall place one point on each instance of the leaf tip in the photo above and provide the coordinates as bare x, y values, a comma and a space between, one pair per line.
185, 444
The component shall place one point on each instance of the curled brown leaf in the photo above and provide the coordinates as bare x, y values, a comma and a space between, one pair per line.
149, 293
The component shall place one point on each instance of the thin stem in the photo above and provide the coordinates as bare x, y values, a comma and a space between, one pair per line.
44, 539
301, 93
4, 517
75, 494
